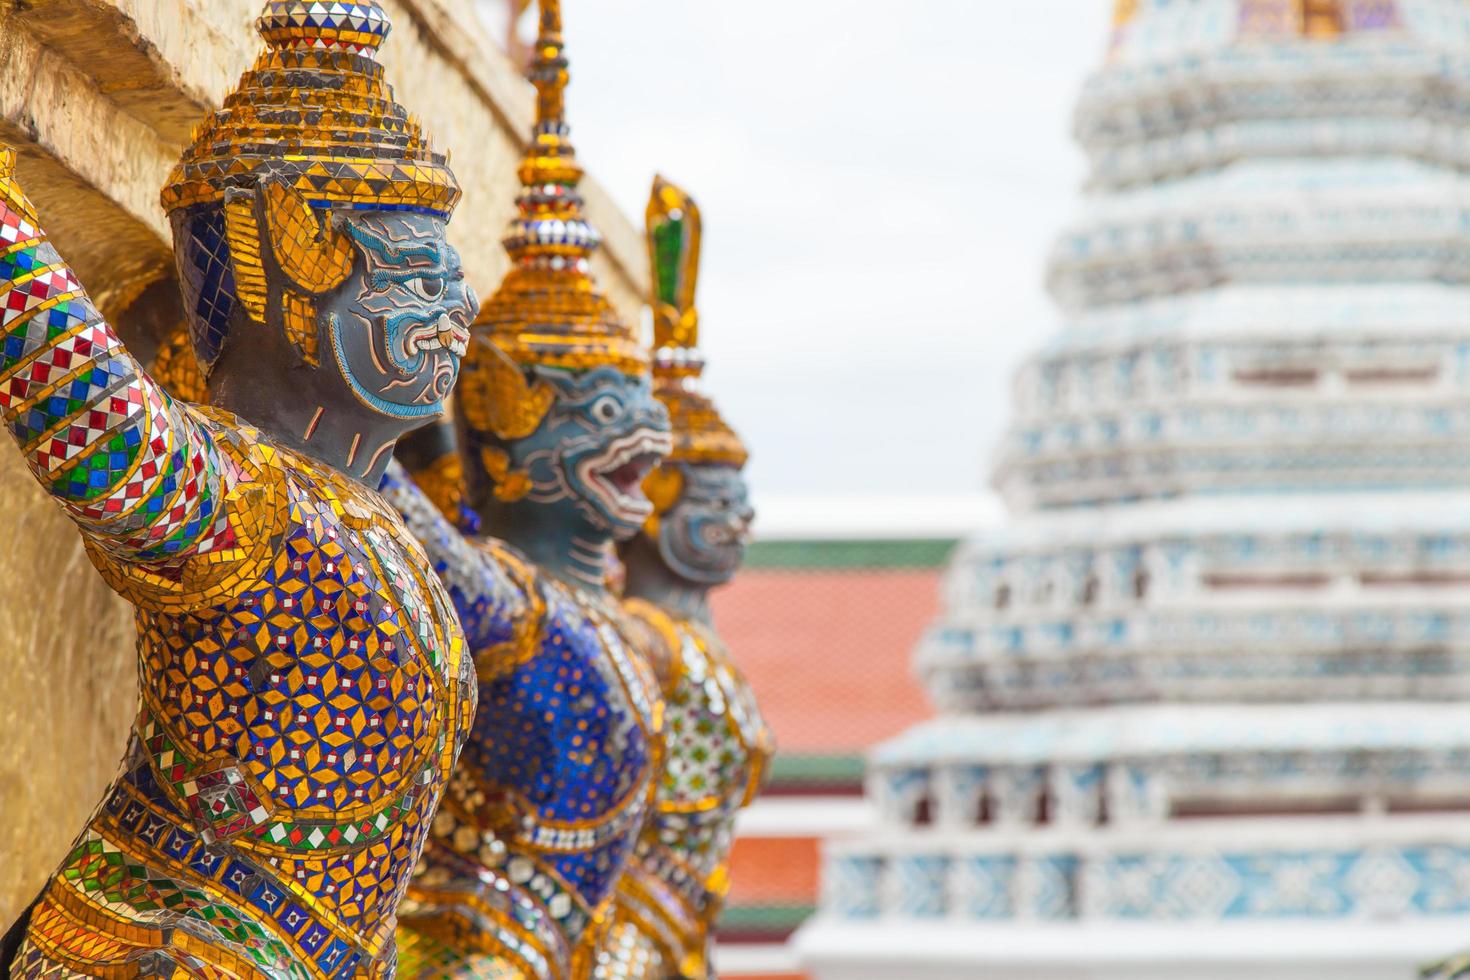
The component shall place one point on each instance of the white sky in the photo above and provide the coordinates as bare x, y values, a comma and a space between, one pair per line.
880, 184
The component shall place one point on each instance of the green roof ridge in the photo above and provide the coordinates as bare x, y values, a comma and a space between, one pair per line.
855, 553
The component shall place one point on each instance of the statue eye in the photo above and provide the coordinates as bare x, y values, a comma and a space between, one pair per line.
606, 409
426, 287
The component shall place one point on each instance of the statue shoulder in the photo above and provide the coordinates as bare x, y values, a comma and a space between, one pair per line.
516, 564
659, 637
254, 507
512, 636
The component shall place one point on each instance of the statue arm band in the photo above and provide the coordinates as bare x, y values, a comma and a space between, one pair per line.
489, 599
137, 472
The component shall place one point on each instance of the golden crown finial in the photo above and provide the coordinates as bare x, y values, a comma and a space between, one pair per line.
550, 158
549, 67
673, 231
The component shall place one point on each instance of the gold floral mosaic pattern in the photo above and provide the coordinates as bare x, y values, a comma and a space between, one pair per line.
716, 753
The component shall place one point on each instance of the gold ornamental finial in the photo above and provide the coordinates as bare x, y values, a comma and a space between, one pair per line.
673, 229
549, 68
701, 435
549, 311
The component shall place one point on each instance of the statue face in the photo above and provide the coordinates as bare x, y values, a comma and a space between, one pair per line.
602, 435
393, 331
399, 325
703, 536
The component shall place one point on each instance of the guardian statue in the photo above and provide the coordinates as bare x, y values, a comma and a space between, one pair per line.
557, 428
304, 683
716, 747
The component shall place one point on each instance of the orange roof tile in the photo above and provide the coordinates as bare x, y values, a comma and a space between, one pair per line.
774, 871
828, 651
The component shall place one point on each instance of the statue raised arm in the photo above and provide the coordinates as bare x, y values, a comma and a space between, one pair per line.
304, 685
139, 474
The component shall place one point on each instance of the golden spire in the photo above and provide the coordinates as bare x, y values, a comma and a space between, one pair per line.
549, 310
701, 435
673, 227
550, 76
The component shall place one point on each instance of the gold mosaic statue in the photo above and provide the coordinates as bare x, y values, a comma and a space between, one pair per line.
304, 685
716, 746
558, 427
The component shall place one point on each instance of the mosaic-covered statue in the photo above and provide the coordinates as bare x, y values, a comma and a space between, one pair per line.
303, 679
716, 747
558, 427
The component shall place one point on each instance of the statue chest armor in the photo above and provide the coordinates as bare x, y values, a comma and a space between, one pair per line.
717, 750
565, 749
302, 706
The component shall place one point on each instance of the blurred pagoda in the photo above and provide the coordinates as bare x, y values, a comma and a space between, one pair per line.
1200, 697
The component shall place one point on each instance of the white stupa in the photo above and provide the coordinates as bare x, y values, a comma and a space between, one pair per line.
1202, 699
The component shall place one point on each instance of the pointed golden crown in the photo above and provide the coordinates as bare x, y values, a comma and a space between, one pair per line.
548, 311
673, 230
315, 114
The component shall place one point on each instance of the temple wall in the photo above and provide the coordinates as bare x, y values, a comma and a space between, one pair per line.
98, 97
66, 685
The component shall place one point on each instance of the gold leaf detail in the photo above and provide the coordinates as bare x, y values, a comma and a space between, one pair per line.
299, 313
242, 231
443, 482
662, 487
497, 398
10, 193
510, 485
314, 256
177, 369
